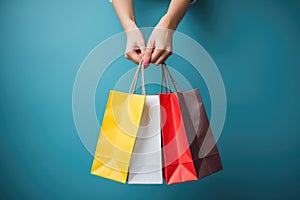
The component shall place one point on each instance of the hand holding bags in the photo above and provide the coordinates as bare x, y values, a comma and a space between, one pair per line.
118, 134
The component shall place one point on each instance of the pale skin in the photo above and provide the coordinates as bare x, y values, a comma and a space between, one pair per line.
159, 45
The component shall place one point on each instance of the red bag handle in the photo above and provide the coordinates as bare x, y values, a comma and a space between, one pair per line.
166, 76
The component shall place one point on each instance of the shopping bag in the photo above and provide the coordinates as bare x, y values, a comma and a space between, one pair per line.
202, 143
178, 162
146, 162
200, 137
118, 134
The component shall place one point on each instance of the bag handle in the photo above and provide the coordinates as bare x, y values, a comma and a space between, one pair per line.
133, 86
166, 73
164, 80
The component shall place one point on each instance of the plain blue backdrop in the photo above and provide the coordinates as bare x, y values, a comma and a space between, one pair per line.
255, 44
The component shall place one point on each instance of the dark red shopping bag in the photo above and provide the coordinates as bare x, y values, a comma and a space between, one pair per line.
202, 143
178, 161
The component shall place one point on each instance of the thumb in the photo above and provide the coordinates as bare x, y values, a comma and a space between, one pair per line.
147, 56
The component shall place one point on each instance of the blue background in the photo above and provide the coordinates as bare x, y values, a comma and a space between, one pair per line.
255, 45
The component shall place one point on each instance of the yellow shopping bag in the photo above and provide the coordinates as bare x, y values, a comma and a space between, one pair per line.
118, 133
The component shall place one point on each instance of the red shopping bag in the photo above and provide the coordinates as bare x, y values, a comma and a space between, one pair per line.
178, 161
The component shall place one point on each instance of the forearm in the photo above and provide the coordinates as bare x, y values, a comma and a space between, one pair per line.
125, 12
175, 13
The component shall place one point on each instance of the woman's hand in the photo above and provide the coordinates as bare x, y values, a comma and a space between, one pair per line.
135, 45
160, 43
159, 46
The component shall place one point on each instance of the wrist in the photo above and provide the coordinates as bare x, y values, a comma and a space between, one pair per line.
168, 22
129, 25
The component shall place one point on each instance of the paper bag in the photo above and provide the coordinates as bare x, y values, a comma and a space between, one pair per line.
178, 162
146, 162
118, 134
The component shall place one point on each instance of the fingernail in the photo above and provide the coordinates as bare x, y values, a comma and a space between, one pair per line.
145, 62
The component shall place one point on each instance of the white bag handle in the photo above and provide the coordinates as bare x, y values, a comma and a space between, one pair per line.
134, 83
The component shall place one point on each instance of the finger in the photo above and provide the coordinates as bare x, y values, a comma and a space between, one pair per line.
141, 43
163, 58
140, 56
133, 56
139, 53
147, 56
142, 48
156, 55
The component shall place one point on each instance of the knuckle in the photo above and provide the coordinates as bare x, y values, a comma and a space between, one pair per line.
126, 56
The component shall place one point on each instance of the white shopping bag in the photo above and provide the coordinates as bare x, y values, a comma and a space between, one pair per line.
146, 161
